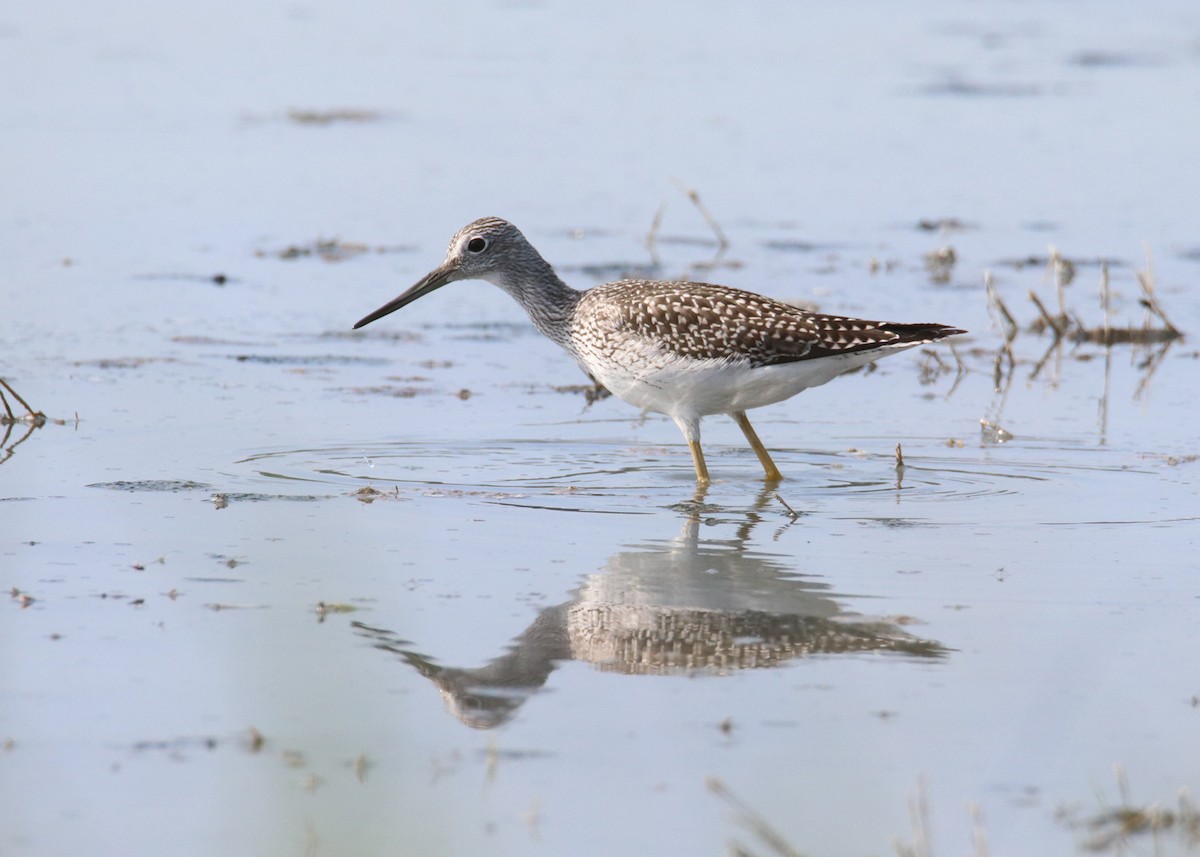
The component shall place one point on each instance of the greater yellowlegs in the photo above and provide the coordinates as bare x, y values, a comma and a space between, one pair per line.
682, 349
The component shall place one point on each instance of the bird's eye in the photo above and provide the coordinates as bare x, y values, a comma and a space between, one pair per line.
477, 245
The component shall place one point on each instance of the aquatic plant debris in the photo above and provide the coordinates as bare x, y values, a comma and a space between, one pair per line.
330, 116
1114, 828
332, 250
173, 485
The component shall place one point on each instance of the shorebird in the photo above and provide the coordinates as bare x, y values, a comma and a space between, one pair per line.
682, 349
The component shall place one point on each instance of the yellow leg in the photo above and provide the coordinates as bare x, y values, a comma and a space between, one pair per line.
764, 457
698, 460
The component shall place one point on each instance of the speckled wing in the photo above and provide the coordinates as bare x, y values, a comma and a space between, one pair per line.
704, 321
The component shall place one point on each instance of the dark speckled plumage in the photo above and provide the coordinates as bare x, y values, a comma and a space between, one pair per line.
702, 321
683, 349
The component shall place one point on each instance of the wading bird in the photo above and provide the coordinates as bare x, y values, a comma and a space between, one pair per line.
682, 349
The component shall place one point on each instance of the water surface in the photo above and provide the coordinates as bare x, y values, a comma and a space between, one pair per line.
279, 588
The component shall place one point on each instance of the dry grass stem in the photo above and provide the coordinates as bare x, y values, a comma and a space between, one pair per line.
753, 822
1055, 324
1061, 271
31, 416
1114, 828
1068, 323
694, 196
31, 419
978, 828
996, 306
655, 227
918, 816
1150, 300
792, 512
1105, 296
940, 263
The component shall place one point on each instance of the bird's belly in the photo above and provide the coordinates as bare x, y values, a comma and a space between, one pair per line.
687, 387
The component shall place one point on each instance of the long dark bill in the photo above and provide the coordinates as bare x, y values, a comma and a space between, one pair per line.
432, 281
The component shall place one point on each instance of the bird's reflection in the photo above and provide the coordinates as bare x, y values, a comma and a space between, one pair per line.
684, 606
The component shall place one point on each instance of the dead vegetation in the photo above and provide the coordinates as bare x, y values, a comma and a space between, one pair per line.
653, 237
32, 420
754, 823
334, 115
8, 418
1122, 826
331, 250
940, 264
1071, 333
719, 240
776, 844
1066, 324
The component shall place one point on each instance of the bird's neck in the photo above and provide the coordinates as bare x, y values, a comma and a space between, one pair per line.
548, 300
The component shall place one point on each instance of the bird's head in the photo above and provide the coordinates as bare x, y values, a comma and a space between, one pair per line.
488, 249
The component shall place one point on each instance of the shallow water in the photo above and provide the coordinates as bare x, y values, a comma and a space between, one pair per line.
280, 588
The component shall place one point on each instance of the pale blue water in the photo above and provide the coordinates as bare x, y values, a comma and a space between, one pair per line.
1007, 621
